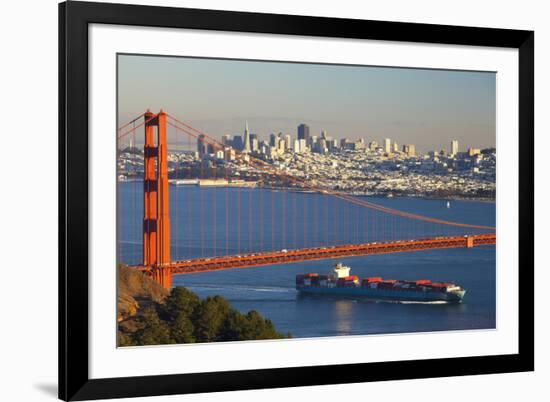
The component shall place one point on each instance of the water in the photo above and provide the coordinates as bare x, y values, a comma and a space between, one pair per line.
276, 220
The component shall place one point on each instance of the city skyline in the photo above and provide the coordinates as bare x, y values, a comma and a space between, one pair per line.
427, 108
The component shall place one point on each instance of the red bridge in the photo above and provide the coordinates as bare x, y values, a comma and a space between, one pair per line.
372, 228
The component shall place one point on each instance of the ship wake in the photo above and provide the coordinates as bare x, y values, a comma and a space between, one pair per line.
413, 302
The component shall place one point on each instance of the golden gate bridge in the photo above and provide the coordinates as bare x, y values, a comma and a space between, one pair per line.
377, 229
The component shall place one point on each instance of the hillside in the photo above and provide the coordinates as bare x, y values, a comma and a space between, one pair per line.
136, 291
150, 315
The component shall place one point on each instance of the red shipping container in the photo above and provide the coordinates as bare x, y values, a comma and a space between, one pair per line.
350, 278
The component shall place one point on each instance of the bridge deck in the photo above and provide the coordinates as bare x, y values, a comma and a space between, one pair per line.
321, 253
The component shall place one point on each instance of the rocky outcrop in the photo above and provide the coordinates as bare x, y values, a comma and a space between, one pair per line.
136, 290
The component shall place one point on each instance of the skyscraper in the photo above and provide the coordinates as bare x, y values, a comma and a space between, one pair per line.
409, 149
303, 132
288, 142
246, 140
281, 145
387, 145
454, 147
238, 142
254, 142
226, 139
201, 146
302, 145
296, 147
272, 140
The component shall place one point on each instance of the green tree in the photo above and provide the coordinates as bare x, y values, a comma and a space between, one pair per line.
252, 326
180, 301
234, 327
153, 331
209, 317
178, 310
259, 328
182, 329
184, 318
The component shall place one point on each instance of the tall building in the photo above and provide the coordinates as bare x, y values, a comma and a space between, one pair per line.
254, 142
302, 145
272, 140
226, 139
387, 145
312, 141
238, 142
288, 142
296, 147
246, 140
201, 146
409, 150
264, 146
281, 145
454, 147
303, 132
322, 146
473, 151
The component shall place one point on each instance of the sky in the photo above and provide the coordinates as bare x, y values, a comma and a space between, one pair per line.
428, 108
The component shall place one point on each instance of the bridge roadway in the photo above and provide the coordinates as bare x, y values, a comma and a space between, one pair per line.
321, 253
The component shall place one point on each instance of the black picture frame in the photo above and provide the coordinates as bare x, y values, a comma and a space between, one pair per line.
74, 18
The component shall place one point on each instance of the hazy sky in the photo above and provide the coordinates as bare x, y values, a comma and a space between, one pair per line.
427, 108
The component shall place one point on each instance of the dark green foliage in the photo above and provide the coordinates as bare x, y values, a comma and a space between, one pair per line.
260, 328
181, 301
238, 327
234, 327
209, 317
184, 318
182, 329
153, 331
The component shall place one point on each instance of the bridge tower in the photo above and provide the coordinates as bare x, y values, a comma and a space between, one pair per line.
156, 217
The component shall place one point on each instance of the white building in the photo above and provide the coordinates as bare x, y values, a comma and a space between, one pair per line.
395, 147
246, 139
409, 149
297, 146
387, 145
281, 145
302, 145
288, 142
255, 145
454, 147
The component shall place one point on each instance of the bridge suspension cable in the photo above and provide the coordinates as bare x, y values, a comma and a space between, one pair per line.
134, 128
278, 230
131, 122
267, 168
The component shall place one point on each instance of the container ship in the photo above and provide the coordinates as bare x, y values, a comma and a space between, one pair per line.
339, 282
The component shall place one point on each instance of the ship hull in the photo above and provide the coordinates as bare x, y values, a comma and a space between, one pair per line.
385, 294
